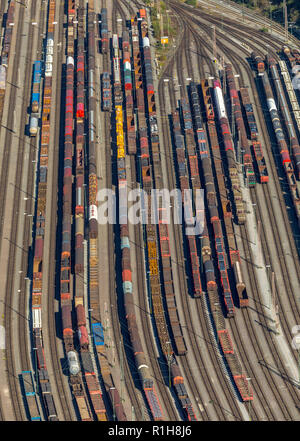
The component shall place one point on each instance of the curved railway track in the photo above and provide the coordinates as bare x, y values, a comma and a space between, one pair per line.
189, 376
246, 313
179, 260
292, 304
255, 342
240, 344
230, 26
219, 410
256, 17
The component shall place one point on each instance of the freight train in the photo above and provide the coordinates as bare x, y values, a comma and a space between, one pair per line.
260, 162
294, 144
66, 293
162, 234
222, 334
37, 286
229, 151
8, 34
35, 96
208, 265
291, 93
36, 84
282, 145
292, 55
210, 194
243, 145
106, 92
184, 185
225, 203
96, 324
90, 377
258, 63
178, 383
139, 356
138, 352
128, 86
104, 31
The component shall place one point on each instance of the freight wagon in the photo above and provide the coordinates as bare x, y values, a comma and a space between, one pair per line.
37, 287
147, 103
104, 31
258, 63
261, 166
34, 124
98, 334
106, 92
30, 396
210, 196
36, 83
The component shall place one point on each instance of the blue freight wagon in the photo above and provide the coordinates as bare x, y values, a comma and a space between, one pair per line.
35, 98
98, 334
30, 396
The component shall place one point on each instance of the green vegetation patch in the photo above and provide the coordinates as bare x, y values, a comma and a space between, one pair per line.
191, 2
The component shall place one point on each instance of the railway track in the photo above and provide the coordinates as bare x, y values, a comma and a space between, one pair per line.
117, 334
9, 300
135, 398
248, 319
220, 411
277, 241
258, 392
258, 389
197, 51
157, 372
232, 27
63, 393
179, 259
29, 208
293, 305
179, 251
280, 43
256, 18
142, 290
189, 377
291, 295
